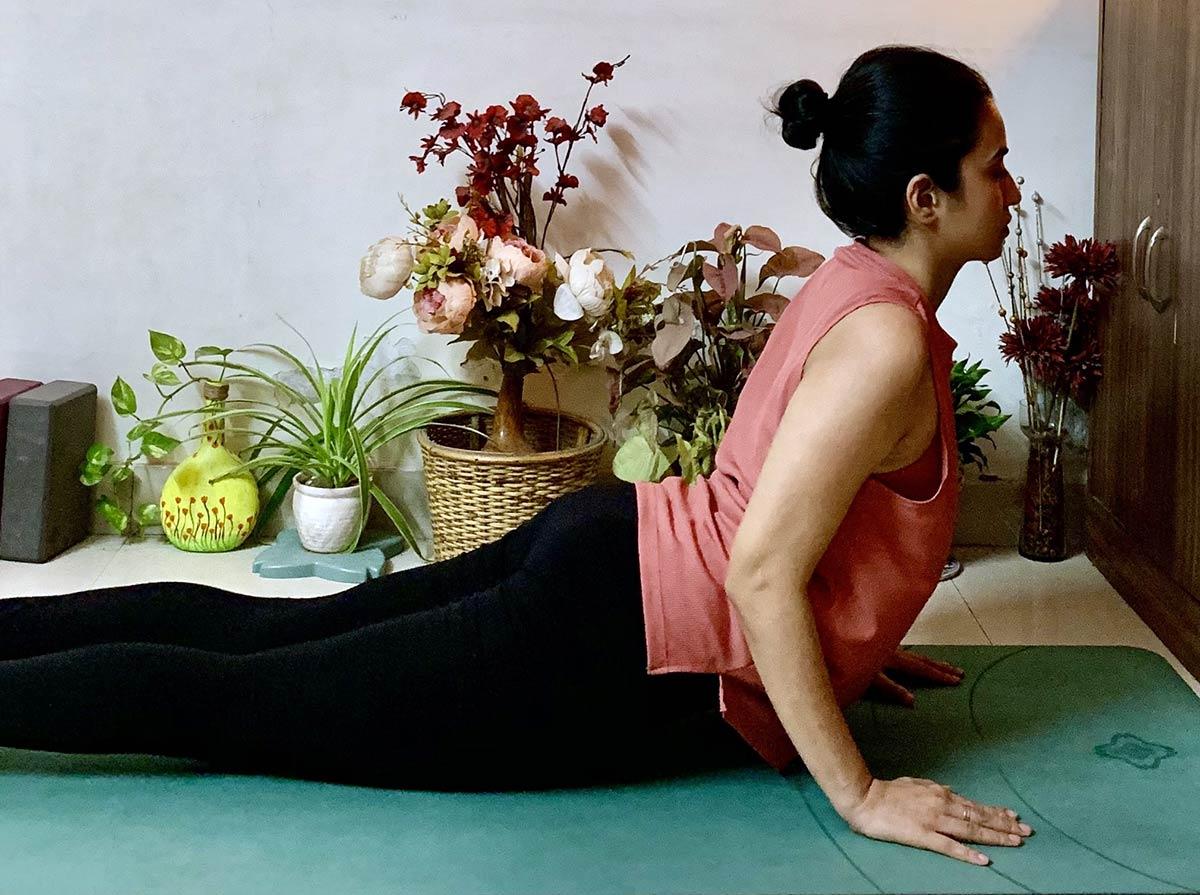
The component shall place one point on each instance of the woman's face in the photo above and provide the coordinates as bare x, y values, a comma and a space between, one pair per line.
977, 216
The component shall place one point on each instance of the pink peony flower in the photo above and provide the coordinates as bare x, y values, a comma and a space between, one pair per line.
456, 229
446, 308
526, 263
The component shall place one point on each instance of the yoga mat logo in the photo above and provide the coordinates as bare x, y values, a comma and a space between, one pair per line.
1134, 750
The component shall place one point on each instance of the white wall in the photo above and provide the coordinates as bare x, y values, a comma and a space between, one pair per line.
200, 168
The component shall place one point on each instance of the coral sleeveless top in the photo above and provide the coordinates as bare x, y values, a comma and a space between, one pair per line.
884, 560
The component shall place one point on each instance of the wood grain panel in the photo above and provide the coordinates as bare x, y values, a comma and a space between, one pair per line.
1121, 465
1185, 568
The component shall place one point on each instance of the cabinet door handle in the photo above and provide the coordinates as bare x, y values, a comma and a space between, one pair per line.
1142, 229
1160, 304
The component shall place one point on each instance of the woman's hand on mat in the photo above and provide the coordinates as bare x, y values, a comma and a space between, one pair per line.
925, 814
916, 667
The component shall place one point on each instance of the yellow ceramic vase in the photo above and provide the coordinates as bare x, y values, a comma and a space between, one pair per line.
199, 515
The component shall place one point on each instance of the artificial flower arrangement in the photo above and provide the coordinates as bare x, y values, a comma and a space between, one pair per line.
1053, 331
682, 359
482, 272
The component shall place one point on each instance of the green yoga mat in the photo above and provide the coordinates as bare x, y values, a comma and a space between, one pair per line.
1097, 747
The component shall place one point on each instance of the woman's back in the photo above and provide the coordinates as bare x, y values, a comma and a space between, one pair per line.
882, 564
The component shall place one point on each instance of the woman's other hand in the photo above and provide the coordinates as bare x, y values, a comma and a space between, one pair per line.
916, 667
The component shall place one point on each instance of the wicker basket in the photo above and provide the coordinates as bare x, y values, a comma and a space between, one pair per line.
475, 497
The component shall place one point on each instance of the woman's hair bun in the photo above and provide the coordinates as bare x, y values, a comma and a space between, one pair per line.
803, 106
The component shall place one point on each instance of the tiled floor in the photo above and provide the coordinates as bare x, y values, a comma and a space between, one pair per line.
1000, 598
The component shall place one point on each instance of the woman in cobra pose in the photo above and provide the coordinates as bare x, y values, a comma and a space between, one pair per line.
760, 600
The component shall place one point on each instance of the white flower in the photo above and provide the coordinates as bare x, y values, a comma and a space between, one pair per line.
587, 286
497, 280
386, 267
498, 268
607, 344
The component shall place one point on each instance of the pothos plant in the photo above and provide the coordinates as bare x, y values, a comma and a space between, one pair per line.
685, 356
102, 467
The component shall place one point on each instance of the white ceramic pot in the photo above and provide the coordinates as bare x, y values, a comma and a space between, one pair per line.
327, 519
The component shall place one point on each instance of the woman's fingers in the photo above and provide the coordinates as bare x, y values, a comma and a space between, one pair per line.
943, 666
936, 842
974, 832
966, 815
925, 667
891, 691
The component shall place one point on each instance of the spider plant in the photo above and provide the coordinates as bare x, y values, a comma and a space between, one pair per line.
329, 434
326, 430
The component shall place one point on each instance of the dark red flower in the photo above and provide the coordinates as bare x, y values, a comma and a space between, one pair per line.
526, 107
414, 103
1038, 344
1085, 370
452, 131
602, 73
597, 116
1084, 259
560, 131
448, 111
568, 181
1061, 300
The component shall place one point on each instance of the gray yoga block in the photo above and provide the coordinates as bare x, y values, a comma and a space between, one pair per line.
9, 389
46, 508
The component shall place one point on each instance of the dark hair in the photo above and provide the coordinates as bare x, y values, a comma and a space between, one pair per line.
897, 112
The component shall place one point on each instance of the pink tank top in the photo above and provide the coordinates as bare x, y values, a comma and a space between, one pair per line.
884, 560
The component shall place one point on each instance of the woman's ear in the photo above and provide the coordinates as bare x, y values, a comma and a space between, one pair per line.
921, 199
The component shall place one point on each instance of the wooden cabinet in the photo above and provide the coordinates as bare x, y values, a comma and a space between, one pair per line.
1186, 560
1143, 507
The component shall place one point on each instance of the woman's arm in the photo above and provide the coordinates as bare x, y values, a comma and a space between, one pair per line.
848, 412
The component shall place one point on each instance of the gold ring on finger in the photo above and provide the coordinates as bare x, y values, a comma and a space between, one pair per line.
967, 813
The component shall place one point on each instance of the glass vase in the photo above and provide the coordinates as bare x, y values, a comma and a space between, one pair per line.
198, 514
1043, 523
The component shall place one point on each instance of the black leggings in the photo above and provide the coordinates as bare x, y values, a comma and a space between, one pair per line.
520, 664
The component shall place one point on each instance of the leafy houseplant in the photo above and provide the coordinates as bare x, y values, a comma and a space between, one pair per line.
483, 273
684, 357
322, 432
971, 422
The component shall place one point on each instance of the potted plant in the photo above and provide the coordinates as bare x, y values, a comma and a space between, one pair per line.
236, 499
1053, 333
681, 360
318, 434
485, 273
972, 422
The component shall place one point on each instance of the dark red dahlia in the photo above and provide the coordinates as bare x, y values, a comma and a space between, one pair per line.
1084, 259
